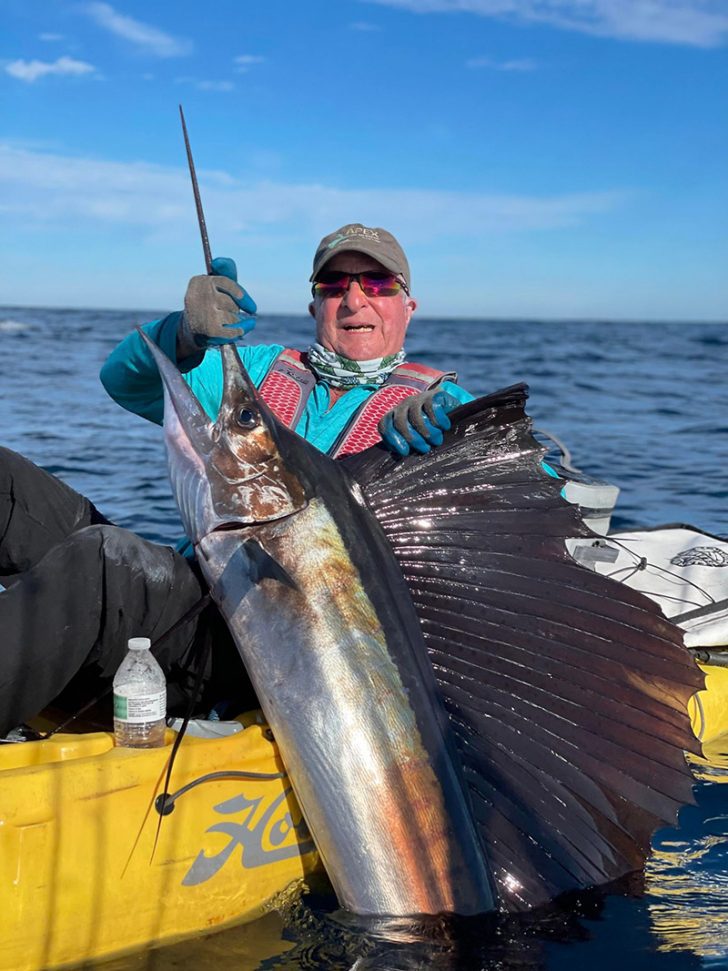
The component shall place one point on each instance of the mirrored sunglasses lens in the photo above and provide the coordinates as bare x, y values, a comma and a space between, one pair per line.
331, 284
379, 284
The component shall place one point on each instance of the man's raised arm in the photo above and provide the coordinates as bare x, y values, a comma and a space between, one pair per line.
217, 311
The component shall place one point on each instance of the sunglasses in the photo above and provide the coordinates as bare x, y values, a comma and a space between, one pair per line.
336, 284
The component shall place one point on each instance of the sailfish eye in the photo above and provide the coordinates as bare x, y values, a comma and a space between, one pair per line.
247, 418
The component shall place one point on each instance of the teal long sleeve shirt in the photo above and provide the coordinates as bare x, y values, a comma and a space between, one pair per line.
131, 378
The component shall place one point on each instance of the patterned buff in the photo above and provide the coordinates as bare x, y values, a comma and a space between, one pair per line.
340, 372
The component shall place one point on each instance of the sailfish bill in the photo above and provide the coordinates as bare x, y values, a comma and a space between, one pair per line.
470, 720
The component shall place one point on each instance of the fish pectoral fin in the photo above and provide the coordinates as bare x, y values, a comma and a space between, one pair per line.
263, 566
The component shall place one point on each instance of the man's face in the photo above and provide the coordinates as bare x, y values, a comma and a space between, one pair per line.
356, 326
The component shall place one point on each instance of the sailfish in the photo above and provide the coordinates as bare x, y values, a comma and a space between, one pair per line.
470, 719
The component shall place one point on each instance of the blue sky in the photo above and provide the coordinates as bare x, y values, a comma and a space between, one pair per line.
538, 158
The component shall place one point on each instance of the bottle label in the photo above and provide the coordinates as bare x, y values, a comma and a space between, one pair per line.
141, 708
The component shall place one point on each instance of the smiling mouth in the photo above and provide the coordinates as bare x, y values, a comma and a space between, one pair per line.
358, 328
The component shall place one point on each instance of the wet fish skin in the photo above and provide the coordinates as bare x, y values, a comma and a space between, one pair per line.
325, 625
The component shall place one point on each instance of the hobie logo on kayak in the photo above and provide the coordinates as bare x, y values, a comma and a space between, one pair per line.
260, 841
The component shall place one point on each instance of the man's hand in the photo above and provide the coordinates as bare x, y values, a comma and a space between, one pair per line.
418, 422
217, 310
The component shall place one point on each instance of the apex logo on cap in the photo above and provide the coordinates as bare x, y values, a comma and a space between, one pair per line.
354, 231
363, 231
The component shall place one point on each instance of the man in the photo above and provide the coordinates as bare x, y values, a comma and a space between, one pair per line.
78, 587
362, 308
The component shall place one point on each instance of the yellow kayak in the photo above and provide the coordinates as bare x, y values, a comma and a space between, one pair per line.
80, 877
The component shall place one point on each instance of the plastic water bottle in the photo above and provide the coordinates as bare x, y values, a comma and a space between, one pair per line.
140, 698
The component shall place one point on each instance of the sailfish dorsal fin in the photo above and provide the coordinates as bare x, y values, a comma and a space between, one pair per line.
566, 691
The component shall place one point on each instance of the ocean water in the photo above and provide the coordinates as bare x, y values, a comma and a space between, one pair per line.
643, 405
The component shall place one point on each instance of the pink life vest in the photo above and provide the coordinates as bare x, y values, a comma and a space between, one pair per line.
289, 382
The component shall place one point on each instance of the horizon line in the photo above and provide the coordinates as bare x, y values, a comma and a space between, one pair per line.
423, 317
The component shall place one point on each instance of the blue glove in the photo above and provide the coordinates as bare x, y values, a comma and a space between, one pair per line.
217, 310
418, 423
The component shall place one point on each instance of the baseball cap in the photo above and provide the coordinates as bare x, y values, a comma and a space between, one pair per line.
373, 241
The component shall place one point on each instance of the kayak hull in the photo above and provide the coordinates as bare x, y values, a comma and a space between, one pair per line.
708, 709
78, 876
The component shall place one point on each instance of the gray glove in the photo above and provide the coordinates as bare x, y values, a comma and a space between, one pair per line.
217, 310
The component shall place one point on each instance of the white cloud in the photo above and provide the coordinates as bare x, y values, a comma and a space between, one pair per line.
698, 23
51, 189
523, 64
32, 70
50, 37
149, 38
206, 85
244, 62
215, 85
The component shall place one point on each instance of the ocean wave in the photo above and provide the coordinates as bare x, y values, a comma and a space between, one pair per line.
14, 326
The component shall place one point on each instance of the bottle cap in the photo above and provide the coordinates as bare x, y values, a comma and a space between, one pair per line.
139, 644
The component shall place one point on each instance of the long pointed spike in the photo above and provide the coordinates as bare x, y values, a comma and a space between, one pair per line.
179, 397
198, 200
235, 378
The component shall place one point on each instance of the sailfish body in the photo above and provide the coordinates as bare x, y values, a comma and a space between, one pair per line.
326, 628
401, 624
